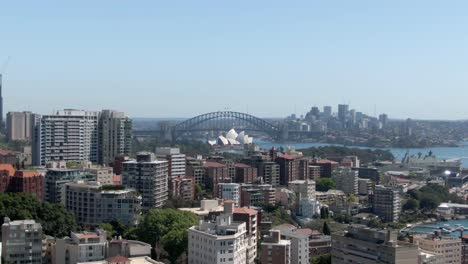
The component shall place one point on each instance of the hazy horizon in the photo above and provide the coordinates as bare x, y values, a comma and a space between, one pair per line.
268, 58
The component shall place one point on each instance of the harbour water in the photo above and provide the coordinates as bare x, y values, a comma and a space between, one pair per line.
428, 228
441, 153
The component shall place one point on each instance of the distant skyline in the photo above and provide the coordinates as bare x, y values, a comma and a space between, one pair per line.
173, 59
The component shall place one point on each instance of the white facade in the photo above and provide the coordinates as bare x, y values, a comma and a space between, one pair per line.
308, 208
103, 175
177, 161
299, 243
223, 241
446, 249
230, 191
69, 135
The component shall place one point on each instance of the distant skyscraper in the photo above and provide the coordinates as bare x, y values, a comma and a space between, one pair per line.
342, 112
383, 118
327, 111
1, 102
20, 125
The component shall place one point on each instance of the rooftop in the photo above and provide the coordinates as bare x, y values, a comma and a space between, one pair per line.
213, 164
245, 210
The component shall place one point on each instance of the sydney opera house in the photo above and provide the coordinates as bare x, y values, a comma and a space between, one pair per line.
232, 139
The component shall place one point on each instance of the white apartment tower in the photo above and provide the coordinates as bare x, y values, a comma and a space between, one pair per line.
69, 135
176, 161
149, 177
223, 241
230, 191
346, 180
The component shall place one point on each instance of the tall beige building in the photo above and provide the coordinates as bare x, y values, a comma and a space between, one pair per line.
115, 136
20, 125
445, 249
364, 245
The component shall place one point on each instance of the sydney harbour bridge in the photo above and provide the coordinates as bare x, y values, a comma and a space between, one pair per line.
222, 121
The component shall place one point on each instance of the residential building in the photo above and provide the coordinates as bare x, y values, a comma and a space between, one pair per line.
55, 179
314, 172
364, 186
149, 177
118, 164
115, 136
387, 204
103, 175
80, 247
206, 208
215, 173
245, 173
128, 248
20, 125
222, 241
330, 196
124, 260
21, 241
9, 157
257, 195
346, 180
250, 217
7, 171
176, 161
182, 187
93, 204
275, 250
303, 188
361, 244
196, 170
289, 168
303, 172
69, 135
447, 249
299, 242
28, 182
230, 191
270, 171
326, 167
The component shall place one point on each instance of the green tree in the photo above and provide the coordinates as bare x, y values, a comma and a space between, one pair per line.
108, 228
411, 204
322, 259
324, 184
326, 229
168, 228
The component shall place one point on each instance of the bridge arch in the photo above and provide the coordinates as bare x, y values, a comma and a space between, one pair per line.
253, 123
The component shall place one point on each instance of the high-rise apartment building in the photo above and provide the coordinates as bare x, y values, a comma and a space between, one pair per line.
28, 182
149, 177
303, 189
215, 173
222, 241
299, 243
183, 188
115, 136
387, 204
346, 180
343, 110
21, 241
275, 250
361, 244
230, 191
270, 171
176, 161
327, 111
69, 135
93, 204
55, 180
20, 125
446, 249
250, 218
289, 168
76, 135
196, 170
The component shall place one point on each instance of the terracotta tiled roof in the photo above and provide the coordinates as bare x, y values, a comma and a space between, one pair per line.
242, 165
26, 174
9, 168
213, 164
244, 210
326, 161
6, 152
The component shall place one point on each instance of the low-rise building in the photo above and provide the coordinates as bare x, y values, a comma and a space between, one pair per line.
93, 204
361, 244
21, 241
275, 250
447, 249
257, 195
223, 241
103, 175
28, 182
128, 248
80, 247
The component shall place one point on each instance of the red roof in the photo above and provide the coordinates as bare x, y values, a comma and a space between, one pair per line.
288, 156
8, 167
5, 152
326, 161
242, 165
245, 210
213, 164
28, 174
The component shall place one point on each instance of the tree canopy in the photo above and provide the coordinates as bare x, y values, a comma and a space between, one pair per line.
324, 184
55, 219
168, 228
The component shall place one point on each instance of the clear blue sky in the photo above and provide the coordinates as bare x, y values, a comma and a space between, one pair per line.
182, 58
